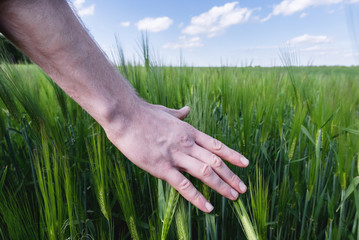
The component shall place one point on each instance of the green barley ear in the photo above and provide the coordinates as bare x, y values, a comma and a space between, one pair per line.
170, 210
181, 220
259, 201
99, 167
124, 195
244, 220
99, 164
48, 175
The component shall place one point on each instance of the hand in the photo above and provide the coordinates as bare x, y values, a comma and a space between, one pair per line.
157, 141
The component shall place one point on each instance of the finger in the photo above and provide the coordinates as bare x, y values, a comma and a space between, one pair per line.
181, 113
205, 173
219, 167
221, 150
187, 190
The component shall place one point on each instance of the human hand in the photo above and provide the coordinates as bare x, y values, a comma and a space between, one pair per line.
156, 140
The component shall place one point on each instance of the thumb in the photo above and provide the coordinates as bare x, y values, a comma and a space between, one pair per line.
180, 113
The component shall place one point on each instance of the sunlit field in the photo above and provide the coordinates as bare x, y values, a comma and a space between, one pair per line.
60, 178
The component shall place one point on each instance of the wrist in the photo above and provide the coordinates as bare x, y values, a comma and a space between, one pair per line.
118, 116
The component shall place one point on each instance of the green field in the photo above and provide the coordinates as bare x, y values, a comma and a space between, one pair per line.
60, 178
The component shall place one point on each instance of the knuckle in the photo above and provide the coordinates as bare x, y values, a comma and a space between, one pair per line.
185, 185
206, 170
216, 161
234, 179
192, 194
196, 195
186, 141
217, 145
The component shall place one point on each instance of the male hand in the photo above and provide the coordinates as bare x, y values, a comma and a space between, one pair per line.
159, 142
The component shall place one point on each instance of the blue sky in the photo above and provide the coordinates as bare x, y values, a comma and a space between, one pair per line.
234, 33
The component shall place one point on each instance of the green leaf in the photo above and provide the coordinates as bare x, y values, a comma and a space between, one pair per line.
306, 133
2, 180
349, 191
349, 130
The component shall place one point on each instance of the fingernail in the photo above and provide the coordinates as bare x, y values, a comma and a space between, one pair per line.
209, 206
242, 186
234, 193
244, 161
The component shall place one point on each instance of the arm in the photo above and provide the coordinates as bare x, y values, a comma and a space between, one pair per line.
51, 35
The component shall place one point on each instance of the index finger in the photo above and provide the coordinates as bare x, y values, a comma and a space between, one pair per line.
220, 149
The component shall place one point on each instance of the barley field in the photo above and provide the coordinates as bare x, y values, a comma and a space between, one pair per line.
60, 178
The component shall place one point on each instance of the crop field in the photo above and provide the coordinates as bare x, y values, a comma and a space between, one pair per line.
60, 178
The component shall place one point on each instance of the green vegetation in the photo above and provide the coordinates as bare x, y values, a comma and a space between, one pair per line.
9, 53
61, 178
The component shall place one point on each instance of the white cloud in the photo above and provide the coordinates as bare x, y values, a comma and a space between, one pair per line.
217, 19
154, 24
78, 3
309, 39
87, 11
184, 42
289, 7
84, 11
303, 15
125, 24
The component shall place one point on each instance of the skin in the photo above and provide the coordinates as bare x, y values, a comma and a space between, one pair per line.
151, 136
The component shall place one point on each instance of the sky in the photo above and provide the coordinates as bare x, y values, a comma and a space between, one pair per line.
227, 33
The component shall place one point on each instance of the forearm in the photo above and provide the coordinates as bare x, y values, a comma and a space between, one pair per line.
51, 35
